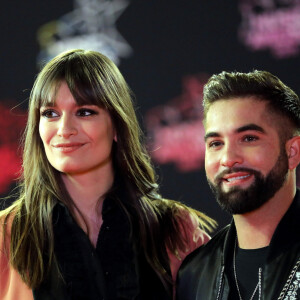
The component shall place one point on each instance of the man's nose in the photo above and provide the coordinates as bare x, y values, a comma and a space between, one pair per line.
67, 127
230, 156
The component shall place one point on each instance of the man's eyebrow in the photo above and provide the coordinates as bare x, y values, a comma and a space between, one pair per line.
210, 135
250, 127
247, 127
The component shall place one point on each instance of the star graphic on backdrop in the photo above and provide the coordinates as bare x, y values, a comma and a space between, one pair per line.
91, 25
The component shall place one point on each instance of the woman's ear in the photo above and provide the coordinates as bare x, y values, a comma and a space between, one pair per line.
115, 135
293, 152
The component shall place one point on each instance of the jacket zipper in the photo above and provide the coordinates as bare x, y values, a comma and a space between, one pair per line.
288, 283
220, 283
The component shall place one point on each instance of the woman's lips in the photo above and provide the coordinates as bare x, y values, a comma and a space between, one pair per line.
67, 147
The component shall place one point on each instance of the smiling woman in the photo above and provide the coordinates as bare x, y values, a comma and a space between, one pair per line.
89, 222
77, 138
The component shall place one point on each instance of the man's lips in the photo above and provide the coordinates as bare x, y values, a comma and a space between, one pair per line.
236, 178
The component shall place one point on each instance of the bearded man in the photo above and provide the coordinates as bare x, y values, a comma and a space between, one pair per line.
252, 128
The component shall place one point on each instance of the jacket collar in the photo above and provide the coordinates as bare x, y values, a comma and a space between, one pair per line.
287, 233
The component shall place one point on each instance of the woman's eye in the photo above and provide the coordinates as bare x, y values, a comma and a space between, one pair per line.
85, 112
49, 113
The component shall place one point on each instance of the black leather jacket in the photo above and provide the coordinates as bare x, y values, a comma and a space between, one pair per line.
203, 277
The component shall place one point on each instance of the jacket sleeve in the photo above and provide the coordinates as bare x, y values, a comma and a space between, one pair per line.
194, 237
11, 285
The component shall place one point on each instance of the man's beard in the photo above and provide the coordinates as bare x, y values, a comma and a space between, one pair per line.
241, 201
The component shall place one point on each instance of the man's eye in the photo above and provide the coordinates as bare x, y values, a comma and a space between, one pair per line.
214, 144
85, 112
250, 138
49, 113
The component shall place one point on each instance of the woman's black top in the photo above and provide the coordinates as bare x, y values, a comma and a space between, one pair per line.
115, 269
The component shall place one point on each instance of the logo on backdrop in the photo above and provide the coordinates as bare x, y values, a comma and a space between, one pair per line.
12, 122
175, 130
91, 25
271, 24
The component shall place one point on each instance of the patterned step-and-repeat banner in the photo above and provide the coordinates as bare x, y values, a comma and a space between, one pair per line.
166, 51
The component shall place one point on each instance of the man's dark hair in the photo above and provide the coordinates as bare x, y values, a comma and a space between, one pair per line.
261, 85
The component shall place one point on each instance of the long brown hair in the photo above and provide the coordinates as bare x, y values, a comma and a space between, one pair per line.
92, 78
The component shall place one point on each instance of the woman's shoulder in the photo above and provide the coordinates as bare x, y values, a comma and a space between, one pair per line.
5, 229
189, 231
11, 285
191, 228
192, 224
6, 220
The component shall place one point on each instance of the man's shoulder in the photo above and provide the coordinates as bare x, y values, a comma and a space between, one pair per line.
206, 254
199, 271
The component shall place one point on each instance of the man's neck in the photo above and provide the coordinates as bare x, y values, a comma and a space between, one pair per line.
255, 229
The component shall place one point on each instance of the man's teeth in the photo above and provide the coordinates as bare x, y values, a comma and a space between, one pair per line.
237, 178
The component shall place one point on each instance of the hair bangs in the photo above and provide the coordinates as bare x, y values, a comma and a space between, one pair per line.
84, 82
48, 93
84, 92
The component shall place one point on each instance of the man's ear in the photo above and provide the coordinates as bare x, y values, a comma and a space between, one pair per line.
293, 151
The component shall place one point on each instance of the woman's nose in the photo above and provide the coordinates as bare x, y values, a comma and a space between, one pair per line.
67, 127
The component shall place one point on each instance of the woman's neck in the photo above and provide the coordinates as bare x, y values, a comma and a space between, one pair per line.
86, 189
88, 192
